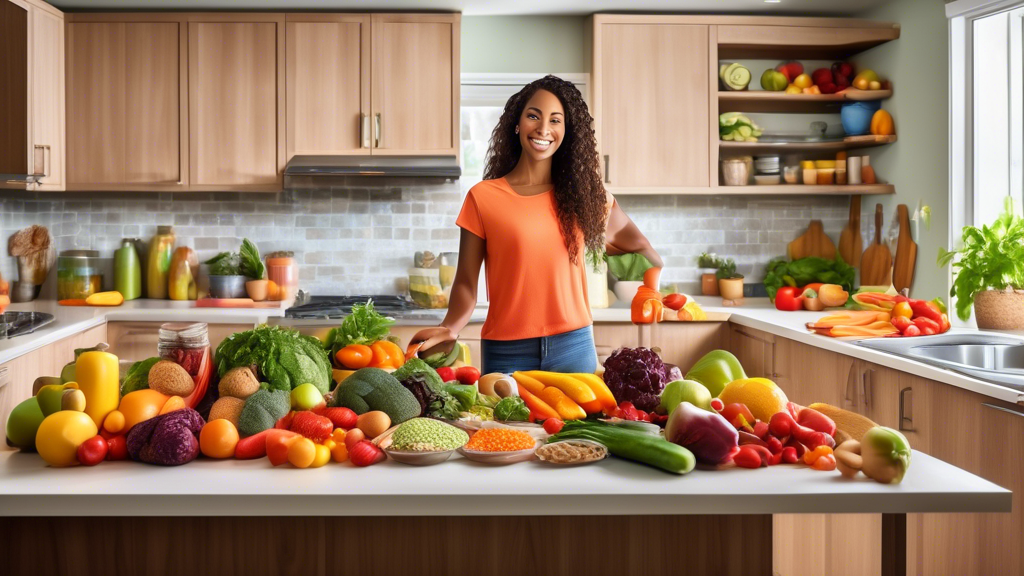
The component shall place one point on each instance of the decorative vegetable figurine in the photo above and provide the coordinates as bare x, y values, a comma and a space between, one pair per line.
707, 434
646, 307
714, 370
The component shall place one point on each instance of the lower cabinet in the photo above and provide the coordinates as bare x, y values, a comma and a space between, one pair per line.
138, 340
17, 376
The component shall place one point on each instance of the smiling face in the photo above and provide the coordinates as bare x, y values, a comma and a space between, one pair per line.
542, 125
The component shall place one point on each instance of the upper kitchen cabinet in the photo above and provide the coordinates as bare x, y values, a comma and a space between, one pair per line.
32, 93
415, 80
328, 86
127, 102
651, 102
236, 101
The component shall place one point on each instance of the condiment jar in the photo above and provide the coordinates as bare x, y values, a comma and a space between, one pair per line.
810, 172
78, 274
184, 344
284, 273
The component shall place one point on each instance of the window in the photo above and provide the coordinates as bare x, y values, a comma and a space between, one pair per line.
986, 116
483, 99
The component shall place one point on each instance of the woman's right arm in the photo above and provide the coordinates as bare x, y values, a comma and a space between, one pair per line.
462, 300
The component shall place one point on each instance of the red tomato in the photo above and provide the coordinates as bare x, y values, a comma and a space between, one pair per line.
901, 323
674, 301
553, 425
789, 299
927, 323
117, 448
92, 451
738, 415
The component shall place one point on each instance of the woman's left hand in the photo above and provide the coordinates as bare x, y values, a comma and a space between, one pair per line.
652, 277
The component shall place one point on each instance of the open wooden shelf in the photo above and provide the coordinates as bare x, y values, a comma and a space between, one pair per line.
776, 190
837, 42
848, 143
765, 101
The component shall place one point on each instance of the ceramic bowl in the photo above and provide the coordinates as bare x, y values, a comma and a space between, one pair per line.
625, 290
856, 116
498, 458
418, 458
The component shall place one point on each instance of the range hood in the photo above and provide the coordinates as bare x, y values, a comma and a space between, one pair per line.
319, 171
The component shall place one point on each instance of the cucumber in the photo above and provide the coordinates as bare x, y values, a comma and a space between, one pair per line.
630, 445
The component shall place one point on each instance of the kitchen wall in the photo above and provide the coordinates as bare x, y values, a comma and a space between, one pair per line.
524, 44
918, 164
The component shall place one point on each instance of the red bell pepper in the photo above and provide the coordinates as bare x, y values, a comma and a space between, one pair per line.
927, 310
789, 299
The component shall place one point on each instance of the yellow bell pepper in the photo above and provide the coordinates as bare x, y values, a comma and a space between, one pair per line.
97, 376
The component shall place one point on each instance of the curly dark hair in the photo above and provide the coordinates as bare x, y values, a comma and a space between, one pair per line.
580, 199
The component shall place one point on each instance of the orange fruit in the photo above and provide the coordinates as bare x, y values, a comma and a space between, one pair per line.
218, 439
273, 290
302, 452
763, 397
322, 456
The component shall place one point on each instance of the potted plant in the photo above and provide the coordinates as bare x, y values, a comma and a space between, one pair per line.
708, 265
989, 272
251, 266
226, 279
730, 283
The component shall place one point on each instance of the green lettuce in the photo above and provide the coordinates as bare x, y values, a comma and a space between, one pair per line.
283, 358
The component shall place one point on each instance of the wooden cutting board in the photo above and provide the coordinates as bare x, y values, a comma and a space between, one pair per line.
850, 243
876, 265
906, 252
814, 242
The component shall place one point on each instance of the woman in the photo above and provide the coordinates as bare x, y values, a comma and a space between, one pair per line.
540, 208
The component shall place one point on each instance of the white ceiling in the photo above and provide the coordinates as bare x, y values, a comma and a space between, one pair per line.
494, 7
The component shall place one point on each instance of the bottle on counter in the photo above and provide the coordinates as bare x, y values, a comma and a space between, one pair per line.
128, 270
158, 264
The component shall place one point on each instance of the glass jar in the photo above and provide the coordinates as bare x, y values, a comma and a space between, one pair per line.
284, 273
78, 274
736, 171
185, 344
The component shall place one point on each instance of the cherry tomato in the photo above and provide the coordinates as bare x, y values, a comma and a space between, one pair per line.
553, 425
903, 310
912, 330
354, 356
117, 448
92, 451
901, 323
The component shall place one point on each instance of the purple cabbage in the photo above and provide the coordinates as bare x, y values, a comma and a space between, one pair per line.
636, 375
169, 440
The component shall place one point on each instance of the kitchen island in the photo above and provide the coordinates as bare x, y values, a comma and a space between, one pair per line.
453, 518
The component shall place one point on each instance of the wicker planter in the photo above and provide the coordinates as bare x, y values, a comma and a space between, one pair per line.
999, 309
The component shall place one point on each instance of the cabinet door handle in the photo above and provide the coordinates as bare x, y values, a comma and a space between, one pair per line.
606, 180
866, 387
1001, 409
906, 410
850, 396
364, 131
378, 130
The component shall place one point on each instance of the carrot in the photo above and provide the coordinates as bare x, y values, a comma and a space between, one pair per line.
252, 447
539, 409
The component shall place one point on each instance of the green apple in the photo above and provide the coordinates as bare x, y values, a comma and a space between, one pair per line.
680, 391
45, 381
774, 81
49, 397
23, 423
306, 397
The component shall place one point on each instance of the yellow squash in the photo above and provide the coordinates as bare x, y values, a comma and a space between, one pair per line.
575, 389
97, 376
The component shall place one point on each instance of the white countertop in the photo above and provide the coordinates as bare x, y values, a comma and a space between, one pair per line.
756, 313
460, 487
70, 320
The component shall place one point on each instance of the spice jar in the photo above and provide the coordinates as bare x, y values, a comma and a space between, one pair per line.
810, 172
185, 344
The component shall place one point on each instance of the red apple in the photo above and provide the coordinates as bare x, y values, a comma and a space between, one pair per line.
828, 88
842, 69
822, 76
841, 81
790, 70
92, 451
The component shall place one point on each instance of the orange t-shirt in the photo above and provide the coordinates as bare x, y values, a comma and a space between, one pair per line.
533, 287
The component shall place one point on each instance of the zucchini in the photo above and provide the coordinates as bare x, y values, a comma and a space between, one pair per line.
630, 445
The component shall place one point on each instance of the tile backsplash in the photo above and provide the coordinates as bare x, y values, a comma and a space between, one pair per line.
360, 239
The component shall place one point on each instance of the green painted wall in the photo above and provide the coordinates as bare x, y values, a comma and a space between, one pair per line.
523, 44
918, 164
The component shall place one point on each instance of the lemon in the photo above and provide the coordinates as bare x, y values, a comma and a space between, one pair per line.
763, 397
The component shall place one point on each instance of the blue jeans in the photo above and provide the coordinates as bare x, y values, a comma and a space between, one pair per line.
568, 352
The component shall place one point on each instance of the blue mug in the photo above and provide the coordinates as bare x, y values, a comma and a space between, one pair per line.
856, 116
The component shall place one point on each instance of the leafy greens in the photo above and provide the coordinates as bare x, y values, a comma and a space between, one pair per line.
991, 257
283, 358
251, 264
628, 267
806, 271
363, 325
224, 264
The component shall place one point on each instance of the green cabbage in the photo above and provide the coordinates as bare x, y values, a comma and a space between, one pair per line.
283, 358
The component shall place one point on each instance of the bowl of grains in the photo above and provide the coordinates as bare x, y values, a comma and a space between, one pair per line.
571, 452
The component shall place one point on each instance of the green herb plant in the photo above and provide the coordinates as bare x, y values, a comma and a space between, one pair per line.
727, 270
250, 263
991, 258
363, 325
224, 264
708, 261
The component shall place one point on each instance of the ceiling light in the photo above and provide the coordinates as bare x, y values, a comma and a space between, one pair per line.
772, 1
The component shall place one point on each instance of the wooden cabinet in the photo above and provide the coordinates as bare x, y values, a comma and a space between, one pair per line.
127, 102
328, 84
754, 349
138, 340
18, 375
236, 101
415, 95
32, 96
651, 102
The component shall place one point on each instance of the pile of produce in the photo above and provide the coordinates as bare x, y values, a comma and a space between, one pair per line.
884, 315
737, 127
362, 341
808, 272
789, 77
283, 358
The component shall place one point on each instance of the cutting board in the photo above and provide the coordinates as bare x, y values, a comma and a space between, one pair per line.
234, 303
876, 265
906, 252
814, 242
850, 243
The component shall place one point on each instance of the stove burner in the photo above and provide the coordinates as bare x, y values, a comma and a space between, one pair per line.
331, 307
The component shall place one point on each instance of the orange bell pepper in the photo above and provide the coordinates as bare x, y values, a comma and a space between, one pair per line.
646, 307
386, 354
355, 356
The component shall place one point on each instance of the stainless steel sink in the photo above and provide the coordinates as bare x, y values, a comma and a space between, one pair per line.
18, 323
995, 358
